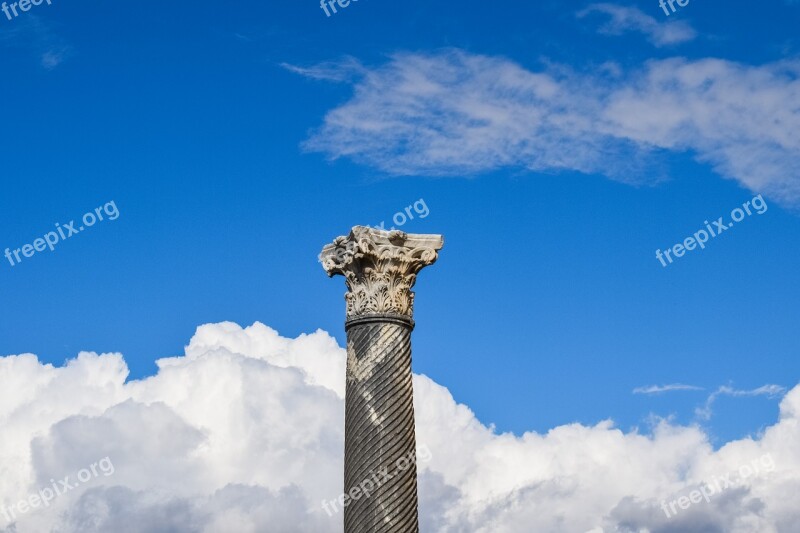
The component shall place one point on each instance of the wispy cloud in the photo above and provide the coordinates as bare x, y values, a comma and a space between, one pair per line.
52, 58
623, 19
452, 113
343, 70
769, 391
658, 389
243, 37
34, 35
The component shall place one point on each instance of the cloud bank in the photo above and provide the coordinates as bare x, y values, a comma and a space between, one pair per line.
245, 433
454, 113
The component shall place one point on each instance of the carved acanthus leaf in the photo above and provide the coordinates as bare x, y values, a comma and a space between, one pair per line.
380, 268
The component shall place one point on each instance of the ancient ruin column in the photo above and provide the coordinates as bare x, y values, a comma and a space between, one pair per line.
380, 474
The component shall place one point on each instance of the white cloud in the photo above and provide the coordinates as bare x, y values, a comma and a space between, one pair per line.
770, 391
52, 58
657, 389
34, 35
624, 19
245, 434
338, 71
453, 113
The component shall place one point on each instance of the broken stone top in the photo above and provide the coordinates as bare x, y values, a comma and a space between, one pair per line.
380, 268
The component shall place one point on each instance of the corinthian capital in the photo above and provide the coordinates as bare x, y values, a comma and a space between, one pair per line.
380, 268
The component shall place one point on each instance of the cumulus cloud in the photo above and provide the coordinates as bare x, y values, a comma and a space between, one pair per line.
623, 19
245, 433
454, 113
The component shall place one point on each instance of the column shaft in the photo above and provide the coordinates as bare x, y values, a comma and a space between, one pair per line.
380, 445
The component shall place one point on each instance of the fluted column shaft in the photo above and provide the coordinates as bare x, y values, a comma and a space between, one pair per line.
380, 443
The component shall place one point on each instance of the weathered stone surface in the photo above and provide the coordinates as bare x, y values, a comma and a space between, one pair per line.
380, 268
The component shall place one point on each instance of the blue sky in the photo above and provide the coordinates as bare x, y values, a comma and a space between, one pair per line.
237, 140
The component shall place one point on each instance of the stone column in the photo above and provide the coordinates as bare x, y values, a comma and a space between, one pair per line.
380, 474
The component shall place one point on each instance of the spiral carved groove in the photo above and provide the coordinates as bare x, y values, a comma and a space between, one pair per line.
380, 443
